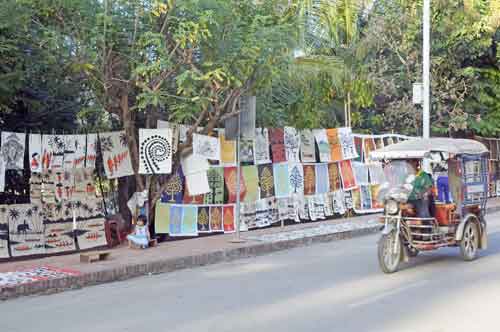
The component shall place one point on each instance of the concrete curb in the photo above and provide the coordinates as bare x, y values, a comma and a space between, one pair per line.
125, 272
173, 264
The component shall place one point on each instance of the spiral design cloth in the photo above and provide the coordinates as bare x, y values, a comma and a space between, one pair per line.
155, 151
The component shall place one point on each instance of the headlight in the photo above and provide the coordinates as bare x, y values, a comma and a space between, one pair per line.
391, 207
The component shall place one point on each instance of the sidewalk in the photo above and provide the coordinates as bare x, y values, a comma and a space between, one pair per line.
126, 263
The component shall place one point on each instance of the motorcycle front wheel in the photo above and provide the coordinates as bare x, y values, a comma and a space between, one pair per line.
389, 257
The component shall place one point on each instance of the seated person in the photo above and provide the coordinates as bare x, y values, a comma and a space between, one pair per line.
140, 236
420, 196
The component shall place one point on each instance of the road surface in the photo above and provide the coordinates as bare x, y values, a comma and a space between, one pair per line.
335, 286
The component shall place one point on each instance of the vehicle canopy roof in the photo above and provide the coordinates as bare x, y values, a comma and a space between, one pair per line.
419, 148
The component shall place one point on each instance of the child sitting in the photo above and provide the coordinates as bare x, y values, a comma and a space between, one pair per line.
140, 236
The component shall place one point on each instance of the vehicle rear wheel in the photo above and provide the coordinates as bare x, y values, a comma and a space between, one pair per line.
470, 241
388, 257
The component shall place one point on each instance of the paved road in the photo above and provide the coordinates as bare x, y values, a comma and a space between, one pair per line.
329, 287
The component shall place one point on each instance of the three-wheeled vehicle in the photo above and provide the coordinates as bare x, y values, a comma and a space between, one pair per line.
459, 192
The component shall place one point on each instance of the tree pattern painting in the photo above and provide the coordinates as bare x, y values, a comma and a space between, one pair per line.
266, 181
297, 179
309, 180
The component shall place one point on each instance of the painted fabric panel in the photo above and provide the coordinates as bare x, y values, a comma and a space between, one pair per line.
262, 155
296, 178
228, 150
251, 180
348, 199
322, 181
375, 191
348, 180
323, 145
347, 143
216, 183
59, 237
335, 144
281, 180
216, 224
115, 154
91, 233
358, 144
377, 175
266, 181
368, 146
74, 151
197, 183
207, 147
174, 189
277, 138
35, 153
155, 151
91, 151
334, 177
229, 224
160, 124
26, 231
189, 221
13, 150
292, 144
203, 220
192, 199
247, 154
230, 177
248, 215
263, 209
338, 202
52, 151
162, 218
360, 173
307, 146
176, 216
309, 180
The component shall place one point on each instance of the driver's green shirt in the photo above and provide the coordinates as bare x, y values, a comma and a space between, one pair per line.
421, 184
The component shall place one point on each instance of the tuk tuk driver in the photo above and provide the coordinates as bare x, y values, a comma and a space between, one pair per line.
421, 185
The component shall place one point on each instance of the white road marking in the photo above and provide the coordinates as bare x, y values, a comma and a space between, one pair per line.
380, 296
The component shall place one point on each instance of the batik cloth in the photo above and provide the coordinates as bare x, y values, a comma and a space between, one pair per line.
228, 151
335, 144
251, 180
216, 224
174, 189
323, 145
115, 154
216, 183
262, 155
155, 151
12, 150
266, 181
348, 180
162, 218
296, 178
307, 146
277, 138
292, 144
322, 181
207, 147
334, 177
228, 218
347, 143
281, 180
309, 179
230, 177
35, 153
360, 173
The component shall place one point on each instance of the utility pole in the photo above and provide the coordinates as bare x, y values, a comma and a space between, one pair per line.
426, 61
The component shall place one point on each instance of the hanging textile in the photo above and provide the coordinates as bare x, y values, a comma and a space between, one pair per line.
358, 144
189, 221
248, 215
228, 151
192, 199
281, 180
4, 232
348, 199
230, 177
309, 180
216, 183
2, 175
368, 146
52, 151
35, 188
162, 218
206, 146
91, 150
183, 132
348, 180
35, 154
335, 144
285, 209
251, 180
323, 145
328, 204
262, 144
334, 177
90, 232
74, 151
347, 143
229, 223
266, 181
277, 138
338, 202
195, 170
316, 207
247, 154
155, 151
307, 147
377, 175
174, 188
176, 216
321, 177
375, 192
263, 213
13, 150
296, 178
360, 171
366, 198
216, 219
160, 124
197, 183
25, 225
115, 154
292, 144
203, 219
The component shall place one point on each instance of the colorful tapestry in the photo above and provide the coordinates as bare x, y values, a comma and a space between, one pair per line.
13, 150
296, 178
52, 151
251, 180
155, 151
90, 233
189, 221
366, 197
338, 202
328, 204
35, 154
348, 180
266, 181
307, 146
348, 199
207, 147
321, 177
203, 220
228, 151
176, 216
375, 191
35, 187
191, 199
216, 183
358, 143
247, 154
216, 224
347, 143
115, 154
309, 180
262, 144
25, 229
335, 144
91, 151
263, 214
174, 188
281, 180
360, 171
248, 215
334, 177
84, 185
277, 139
377, 175
162, 218
11, 279
368, 146
292, 144
356, 200
229, 222
323, 145
74, 151
231, 179
59, 237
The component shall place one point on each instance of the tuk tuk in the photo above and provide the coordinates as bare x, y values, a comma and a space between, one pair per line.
454, 215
